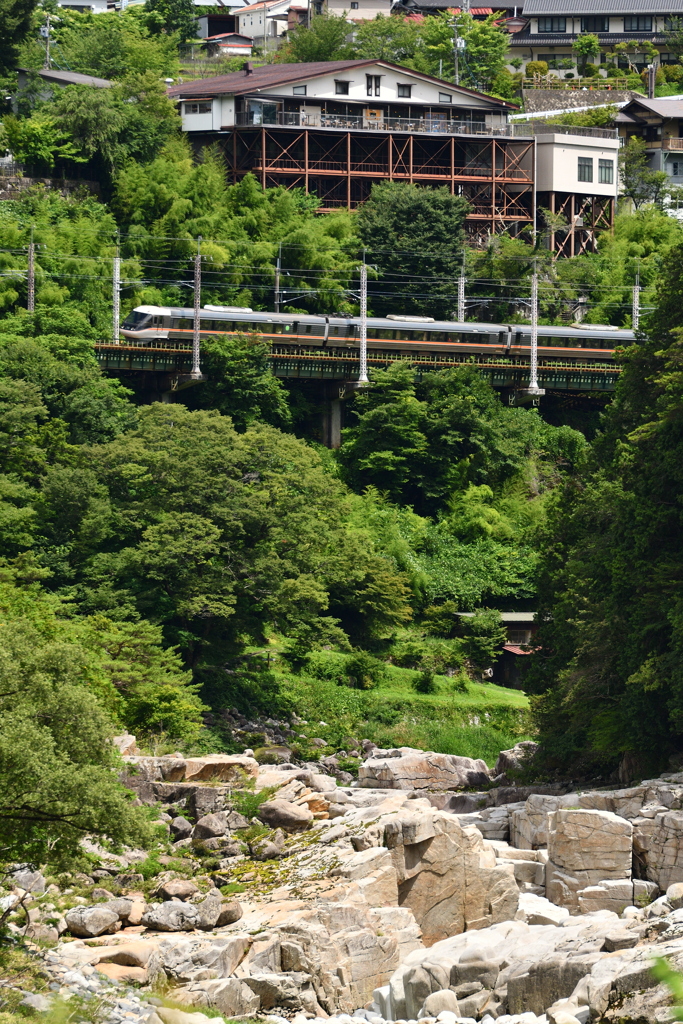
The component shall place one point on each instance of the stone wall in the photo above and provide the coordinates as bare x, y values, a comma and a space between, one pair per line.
537, 100
11, 187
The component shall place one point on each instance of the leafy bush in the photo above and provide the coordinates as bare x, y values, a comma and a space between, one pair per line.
591, 70
672, 72
247, 802
363, 671
536, 67
485, 635
425, 682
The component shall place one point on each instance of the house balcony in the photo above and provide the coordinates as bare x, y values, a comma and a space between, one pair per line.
675, 144
423, 125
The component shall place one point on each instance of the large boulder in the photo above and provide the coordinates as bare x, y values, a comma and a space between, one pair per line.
182, 917
447, 876
211, 826
407, 768
513, 760
282, 814
585, 848
88, 922
177, 889
665, 854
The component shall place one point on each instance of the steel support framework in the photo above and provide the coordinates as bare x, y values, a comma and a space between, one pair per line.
595, 213
494, 174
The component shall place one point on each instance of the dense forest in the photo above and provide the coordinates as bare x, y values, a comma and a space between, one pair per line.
161, 564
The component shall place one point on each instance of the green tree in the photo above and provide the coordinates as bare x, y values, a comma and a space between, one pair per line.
172, 16
484, 636
39, 141
15, 24
485, 55
415, 236
134, 120
639, 183
635, 47
608, 681
241, 385
585, 47
117, 47
56, 758
324, 40
392, 37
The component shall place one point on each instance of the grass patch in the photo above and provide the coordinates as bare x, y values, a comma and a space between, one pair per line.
477, 720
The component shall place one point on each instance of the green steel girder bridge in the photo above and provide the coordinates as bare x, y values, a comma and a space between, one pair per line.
165, 367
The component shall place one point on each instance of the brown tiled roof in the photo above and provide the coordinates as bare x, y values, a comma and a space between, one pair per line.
272, 75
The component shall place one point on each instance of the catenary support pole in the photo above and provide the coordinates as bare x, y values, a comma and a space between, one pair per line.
533, 376
461, 294
635, 315
31, 301
363, 374
277, 279
197, 304
116, 297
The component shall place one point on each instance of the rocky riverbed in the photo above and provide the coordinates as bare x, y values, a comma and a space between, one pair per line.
410, 895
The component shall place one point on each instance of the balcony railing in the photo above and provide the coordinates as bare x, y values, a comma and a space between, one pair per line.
550, 128
429, 125
672, 144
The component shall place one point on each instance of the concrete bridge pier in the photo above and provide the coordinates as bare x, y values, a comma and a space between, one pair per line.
331, 422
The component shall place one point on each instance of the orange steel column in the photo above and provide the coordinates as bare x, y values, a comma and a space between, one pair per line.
452, 165
263, 158
411, 159
493, 186
390, 141
306, 161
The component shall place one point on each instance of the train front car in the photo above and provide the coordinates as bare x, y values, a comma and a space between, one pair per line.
145, 324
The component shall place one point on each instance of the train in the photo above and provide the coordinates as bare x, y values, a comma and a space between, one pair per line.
387, 336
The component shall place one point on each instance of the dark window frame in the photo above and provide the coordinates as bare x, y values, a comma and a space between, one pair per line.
341, 87
637, 23
605, 171
403, 91
595, 23
552, 24
299, 90
585, 168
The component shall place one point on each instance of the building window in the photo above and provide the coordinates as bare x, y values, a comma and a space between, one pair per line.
638, 23
672, 24
373, 81
597, 23
341, 88
404, 91
606, 172
585, 168
198, 108
299, 90
550, 59
677, 168
445, 97
354, 5
552, 24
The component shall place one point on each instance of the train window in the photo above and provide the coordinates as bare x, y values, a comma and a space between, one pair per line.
185, 323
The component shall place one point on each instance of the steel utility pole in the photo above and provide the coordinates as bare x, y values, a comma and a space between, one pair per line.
533, 375
455, 49
197, 302
47, 43
116, 297
461, 294
363, 374
31, 302
277, 279
635, 314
